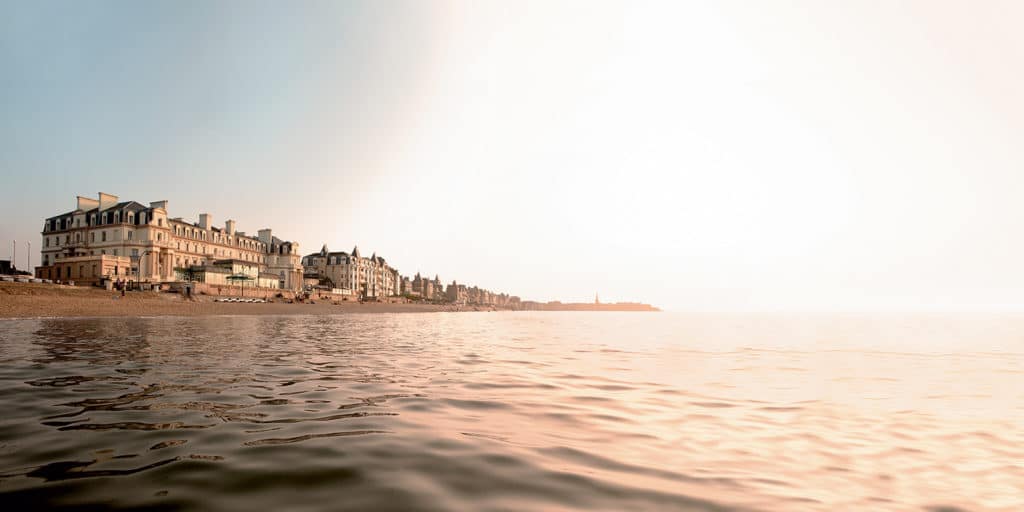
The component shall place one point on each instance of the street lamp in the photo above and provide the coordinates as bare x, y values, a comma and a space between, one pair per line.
138, 272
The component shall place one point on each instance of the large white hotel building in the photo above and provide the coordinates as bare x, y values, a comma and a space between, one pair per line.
106, 238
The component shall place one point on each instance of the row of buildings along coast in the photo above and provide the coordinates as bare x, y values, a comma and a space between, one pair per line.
351, 274
106, 240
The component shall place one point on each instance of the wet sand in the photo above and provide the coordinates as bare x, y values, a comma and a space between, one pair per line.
28, 300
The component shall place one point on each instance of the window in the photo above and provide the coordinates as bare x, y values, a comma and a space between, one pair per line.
135, 253
160, 222
92, 236
129, 235
67, 239
104, 236
46, 241
115, 252
103, 252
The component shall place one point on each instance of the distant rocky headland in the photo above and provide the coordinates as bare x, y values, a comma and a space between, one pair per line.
586, 306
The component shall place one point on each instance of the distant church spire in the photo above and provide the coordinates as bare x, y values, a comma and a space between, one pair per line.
596, 299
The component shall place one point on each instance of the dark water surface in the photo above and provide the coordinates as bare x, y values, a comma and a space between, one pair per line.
513, 411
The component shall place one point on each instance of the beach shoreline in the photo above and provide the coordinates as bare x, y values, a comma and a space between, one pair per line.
31, 300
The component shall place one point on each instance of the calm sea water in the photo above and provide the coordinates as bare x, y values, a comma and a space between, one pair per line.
514, 411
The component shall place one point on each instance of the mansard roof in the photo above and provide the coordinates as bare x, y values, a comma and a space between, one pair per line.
72, 212
123, 205
126, 205
325, 255
131, 205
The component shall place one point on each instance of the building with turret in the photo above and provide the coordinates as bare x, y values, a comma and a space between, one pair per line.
426, 288
366, 277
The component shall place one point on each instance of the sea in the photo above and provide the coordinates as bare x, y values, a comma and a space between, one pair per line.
514, 411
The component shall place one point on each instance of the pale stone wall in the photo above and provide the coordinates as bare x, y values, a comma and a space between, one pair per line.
217, 290
86, 270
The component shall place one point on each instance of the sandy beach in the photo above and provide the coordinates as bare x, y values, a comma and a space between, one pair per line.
29, 300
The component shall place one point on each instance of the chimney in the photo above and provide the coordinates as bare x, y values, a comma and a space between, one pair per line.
107, 200
85, 204
264, 236
159, 204
205, 220
229, 226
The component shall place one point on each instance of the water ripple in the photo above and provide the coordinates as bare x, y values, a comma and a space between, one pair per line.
502, 412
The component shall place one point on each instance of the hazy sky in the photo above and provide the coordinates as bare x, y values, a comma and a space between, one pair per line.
696, 155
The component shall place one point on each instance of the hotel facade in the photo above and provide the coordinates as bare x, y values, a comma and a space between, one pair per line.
352, 273
107, 239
